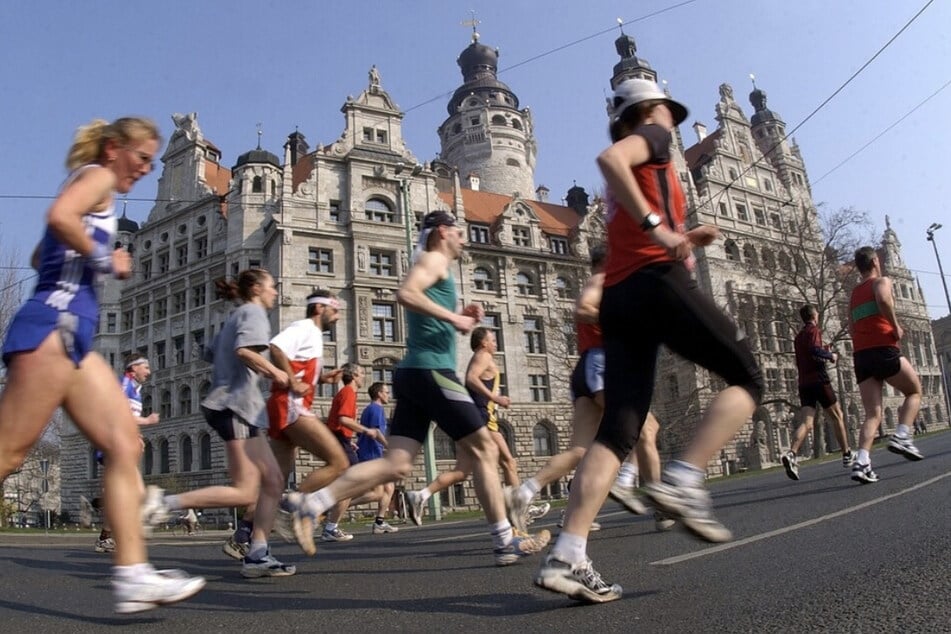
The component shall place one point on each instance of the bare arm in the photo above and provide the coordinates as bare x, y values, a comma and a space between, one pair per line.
372, 432
886, 303
588, 307
429, 269
280, 360
256, 361
478, 364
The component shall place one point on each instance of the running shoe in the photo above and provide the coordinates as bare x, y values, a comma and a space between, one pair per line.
628, 498
848, 459
516, 508
85, 512
692, 506
863, 473
336, 535
152, 589
414, 507
662, 522
107, 545
791, 465
537, 511
379, 528
154, 510
235, 549
521, 546
595, 525
578, 581
267, 566
904, 446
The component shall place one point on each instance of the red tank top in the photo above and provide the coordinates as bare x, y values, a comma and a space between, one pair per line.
870, 329
629, 247
589, 336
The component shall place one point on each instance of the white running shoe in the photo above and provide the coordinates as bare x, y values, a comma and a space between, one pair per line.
414, 507
154, 509
692, 506
268, 566
904, 446
516, 508
336, 535
791, 465
384, 527
578, 581
152, 589
107, 545
537, 511
628, 497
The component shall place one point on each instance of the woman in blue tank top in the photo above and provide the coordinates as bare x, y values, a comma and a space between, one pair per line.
48, 353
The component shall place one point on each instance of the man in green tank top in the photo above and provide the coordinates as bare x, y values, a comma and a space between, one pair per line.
427, 389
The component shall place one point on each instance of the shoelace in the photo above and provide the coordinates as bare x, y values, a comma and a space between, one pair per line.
592, 578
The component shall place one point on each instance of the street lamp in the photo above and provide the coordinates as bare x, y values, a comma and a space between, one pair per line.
930, 231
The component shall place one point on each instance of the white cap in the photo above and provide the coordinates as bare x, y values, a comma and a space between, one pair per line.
634, 91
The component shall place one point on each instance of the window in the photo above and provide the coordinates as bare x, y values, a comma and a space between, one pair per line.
178, 302
775, 221
379, 211
773, 382
181, 255
534, 335
127, 320
163, 262
142, 315
165, 406
768, 184
562, 288
493, 321
184, 401
178, 343
381, 263
147, 458
368, 134
198, 296
203, 390
732, 251
320, 260
330, 334
160, 360
483, 280
498, 120
741, 212
257, 185
384, 322
335, 210
382, 373
724, 210
146, 404
111, 322
559, 246
198, 344
185, 451
791, 379
760, 214
525, 284
539, 388
478, 234
146, 268
163, 456
381, 136
543, 441
204, 452
94, 466
732, 173
521, 237
201, 247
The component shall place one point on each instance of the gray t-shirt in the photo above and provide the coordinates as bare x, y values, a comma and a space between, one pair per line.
235, 386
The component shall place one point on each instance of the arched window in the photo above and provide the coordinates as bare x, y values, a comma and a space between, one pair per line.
163, 456
483, 279
769, 261
525, 284
749, 254
785, 262
732, 173
456, 129
512, 162
544, 441
516, 123
562, 288
203, 390
185, 452
732, 251
379, 210
257, 185
146, 404
508, 434
184, 400
165, 407
204, 452
499, 120
273, 186
148, 459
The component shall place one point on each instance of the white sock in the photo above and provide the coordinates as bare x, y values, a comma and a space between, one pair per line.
330, 527
863, 457
502, 534
902, 431
424, 495
682, 473
627, 474
317, 503
258, 550
171, 501
570, 548
528, 490
132, 571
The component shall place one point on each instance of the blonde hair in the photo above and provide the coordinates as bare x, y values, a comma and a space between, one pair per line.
90, 139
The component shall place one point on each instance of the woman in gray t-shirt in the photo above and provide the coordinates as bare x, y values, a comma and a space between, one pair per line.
235, 409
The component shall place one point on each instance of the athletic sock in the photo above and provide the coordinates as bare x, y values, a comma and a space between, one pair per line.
502, 534
424, 495
627, 474
317, 503
528, 490
680, 473
902, 431
570, 548
330, 527
172, 503
132, 571
258, 551
863, 457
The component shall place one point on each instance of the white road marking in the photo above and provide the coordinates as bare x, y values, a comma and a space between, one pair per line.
788, 529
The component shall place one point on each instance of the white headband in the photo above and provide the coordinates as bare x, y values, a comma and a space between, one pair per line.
136, 362
333, 302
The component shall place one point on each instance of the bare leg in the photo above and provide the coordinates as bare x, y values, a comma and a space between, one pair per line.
506, 460
871, 391
648, 457
838, 426
587, 417
807, 417
725, 416
312, 435
907, 382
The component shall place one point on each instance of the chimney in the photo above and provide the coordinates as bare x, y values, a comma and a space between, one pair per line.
541, 194
701, 131
473, 181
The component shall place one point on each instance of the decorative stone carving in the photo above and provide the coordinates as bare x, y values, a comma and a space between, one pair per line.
361, 258
364, 319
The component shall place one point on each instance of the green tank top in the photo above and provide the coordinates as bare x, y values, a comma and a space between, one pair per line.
431, 342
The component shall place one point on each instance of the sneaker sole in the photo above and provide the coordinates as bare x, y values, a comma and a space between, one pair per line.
636, 507
304, 534
792, 474
231, 552
133, 607
253, 573
862, 480
538, 543
573, 589
915, 457
670, 505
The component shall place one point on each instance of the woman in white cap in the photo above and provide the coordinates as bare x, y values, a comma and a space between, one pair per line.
649, 299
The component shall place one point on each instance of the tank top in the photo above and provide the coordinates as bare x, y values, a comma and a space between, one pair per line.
870, 329
66, 280
431, 342
485, 404
589, 336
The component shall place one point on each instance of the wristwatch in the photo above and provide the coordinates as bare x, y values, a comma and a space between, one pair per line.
651, 222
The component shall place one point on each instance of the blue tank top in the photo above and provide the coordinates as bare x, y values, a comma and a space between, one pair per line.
66, 280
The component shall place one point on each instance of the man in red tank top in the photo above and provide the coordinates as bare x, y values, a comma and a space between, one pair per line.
878, 359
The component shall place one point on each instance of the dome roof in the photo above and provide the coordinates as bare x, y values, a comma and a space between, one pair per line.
258, 156
126, 225
479, 65
762, 114
478, 58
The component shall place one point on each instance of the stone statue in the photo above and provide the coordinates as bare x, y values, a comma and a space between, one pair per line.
361, 258
188, 124
726, 92
374, 76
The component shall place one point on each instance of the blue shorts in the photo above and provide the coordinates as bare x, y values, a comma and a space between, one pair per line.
587, 379
35, 321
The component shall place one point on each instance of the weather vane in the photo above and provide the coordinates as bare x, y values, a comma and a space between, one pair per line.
260, 132
473, 22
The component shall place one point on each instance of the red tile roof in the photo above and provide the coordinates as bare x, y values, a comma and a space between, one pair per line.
695, 153
485, 207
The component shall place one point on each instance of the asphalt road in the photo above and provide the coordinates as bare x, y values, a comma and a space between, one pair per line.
823, 553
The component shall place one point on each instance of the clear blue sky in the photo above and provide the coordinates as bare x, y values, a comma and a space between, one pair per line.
287, 63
